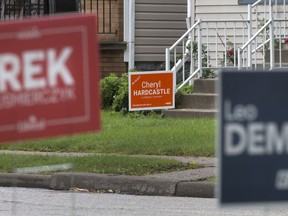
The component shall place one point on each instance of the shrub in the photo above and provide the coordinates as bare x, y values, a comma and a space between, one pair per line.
121, 101
109, 88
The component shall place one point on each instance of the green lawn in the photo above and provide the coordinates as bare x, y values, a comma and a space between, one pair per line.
135, 134
95, 164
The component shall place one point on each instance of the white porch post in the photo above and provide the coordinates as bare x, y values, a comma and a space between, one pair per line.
191, 18
271, 32
189, 13
249, 36
129, 32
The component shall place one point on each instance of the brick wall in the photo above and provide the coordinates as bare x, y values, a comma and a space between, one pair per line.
110, 34
112, 62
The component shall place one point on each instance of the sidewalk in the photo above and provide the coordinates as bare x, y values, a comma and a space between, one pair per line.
182, 183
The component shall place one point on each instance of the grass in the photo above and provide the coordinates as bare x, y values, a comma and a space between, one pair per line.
209, 180
95, 164
135, 134
212, 180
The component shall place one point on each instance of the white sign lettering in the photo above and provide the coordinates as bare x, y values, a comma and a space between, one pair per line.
33, 64
254, 138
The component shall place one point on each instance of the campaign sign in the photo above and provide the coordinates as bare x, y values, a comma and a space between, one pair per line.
151, 90
49, 77
253, 137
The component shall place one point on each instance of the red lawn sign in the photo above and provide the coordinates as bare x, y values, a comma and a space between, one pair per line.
49, 73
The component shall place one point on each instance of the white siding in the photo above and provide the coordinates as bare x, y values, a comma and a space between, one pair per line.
220, 9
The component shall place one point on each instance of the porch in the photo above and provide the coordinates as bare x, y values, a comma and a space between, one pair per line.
252, 36
252, 40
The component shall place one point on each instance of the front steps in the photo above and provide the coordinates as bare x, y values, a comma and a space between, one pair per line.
199, 104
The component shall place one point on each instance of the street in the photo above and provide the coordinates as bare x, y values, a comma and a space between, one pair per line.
35, 202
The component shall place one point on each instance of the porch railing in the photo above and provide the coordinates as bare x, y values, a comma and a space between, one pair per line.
106, 10
208, 46
269, 41
211, 45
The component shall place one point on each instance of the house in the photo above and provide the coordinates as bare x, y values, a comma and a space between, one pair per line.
135, 33
150, 26
232, 34
222, 28
110, 23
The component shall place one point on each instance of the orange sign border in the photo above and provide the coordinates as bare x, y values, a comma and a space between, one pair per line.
151, 106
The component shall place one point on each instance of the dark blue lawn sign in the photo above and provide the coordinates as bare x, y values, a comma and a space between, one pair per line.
253, 137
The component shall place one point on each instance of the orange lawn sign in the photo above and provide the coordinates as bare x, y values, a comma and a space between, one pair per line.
151, 90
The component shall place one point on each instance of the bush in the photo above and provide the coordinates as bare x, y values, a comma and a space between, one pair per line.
115, 93
121, 101
109, 88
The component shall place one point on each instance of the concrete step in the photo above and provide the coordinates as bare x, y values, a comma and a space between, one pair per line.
200, 104
197, 101
205, 85
190, 113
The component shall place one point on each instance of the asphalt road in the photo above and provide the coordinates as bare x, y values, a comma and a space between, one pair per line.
35, 202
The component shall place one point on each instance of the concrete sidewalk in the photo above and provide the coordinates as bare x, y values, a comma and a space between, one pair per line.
182, 183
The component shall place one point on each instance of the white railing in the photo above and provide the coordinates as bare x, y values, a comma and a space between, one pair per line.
268, 42
246, 57
211, 45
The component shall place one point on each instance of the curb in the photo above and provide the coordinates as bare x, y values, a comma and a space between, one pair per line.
195, 189
110, 183
115, 183
25, 180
